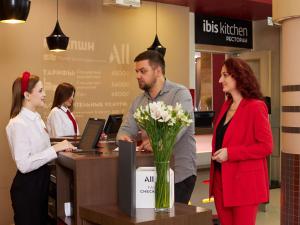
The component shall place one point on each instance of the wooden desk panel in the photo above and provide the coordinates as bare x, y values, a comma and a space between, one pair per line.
180, 215
89, 179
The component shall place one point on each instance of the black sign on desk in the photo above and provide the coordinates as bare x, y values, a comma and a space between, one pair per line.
223, 31
126, 177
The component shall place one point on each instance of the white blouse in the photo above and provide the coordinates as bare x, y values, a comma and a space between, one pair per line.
59, 124
29, 141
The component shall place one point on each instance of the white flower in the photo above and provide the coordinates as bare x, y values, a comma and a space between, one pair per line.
169, 108
137, 114
178, 107
146, 108
172, 121
165, 116
155, 110
162, 123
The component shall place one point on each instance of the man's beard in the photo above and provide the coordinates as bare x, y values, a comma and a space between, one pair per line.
147, 87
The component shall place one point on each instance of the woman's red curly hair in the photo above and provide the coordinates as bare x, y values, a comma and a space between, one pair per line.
246, 82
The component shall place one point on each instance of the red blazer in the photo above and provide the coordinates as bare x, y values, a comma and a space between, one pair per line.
248, 139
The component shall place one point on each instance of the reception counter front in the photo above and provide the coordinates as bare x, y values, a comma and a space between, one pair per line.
90, 180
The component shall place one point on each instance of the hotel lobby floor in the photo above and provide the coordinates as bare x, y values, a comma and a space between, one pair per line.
270, 217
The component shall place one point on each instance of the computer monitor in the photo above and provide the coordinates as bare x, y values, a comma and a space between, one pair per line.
113, 124
204, 118
91, 133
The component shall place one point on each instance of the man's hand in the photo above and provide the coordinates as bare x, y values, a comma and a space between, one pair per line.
145, 146
221, 155
125, 138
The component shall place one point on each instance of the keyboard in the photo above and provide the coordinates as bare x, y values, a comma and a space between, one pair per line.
86, 151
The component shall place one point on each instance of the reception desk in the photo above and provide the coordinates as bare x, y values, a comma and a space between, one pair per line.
180, 214
89, 179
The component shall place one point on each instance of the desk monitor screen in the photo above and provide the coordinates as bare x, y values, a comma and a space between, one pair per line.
91, 133
113, 124
204, 118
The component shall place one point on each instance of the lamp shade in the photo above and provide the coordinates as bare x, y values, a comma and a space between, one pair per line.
157, 46
14, 11
57, 41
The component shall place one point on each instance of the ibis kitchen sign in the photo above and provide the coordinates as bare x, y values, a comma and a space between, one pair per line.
223, 31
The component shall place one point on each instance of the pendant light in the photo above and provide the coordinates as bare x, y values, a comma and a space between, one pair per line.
156, 45
14, 11
57, 41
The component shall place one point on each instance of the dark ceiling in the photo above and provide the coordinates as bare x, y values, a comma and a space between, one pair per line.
236, 9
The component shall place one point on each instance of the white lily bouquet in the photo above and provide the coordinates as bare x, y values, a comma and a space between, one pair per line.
162, 123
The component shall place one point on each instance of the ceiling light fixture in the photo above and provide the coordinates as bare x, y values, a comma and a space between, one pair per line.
14, 11
156, 45
57, 41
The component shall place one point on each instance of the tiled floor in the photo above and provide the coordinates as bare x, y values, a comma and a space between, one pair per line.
270, 217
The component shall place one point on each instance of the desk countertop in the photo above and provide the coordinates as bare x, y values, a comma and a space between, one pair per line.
180, 214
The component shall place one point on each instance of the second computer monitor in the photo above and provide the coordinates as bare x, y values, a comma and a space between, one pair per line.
113, 124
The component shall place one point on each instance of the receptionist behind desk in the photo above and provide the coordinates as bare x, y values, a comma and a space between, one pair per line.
31, 150
61, 121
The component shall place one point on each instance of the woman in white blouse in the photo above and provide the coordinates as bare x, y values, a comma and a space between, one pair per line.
31, 150
61, 121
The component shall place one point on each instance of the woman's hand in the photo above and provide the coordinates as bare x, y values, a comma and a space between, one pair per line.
63, 146
221, 155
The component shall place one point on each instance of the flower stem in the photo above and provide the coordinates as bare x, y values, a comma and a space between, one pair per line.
162, 186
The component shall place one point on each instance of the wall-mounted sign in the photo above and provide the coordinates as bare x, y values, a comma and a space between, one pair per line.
223, 31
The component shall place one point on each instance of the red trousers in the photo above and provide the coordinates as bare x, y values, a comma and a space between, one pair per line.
237, 215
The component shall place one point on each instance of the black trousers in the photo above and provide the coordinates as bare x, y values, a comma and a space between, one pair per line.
29, 196
184, 189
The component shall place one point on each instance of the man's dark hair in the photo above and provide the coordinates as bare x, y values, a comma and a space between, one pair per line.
154, 57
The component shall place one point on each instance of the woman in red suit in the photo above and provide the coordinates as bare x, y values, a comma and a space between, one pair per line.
241, 142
